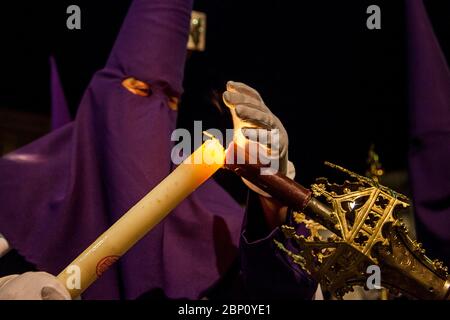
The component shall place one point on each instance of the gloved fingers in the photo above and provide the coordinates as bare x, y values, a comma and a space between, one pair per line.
274, 139
6, 279
257, 117
232, 99
272, 148
265, 144
243, 88
50, 293
258, 150
29, 286
238, 122
52, 288
262, 136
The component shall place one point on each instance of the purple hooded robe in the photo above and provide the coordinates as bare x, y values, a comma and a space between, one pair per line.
429, 85
61, 192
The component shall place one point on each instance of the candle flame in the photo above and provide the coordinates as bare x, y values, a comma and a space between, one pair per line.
213, 151
209, 135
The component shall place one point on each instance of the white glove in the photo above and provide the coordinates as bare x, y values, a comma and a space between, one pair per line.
32, 286
249, 111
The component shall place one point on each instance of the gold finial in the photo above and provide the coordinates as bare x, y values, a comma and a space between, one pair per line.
368, 232
375, 170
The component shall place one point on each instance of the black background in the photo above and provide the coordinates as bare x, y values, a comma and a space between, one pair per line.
337, 86
278, 309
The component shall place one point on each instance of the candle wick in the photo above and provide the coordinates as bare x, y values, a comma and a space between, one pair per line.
209, 135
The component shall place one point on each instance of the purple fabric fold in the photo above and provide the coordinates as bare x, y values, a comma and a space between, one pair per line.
267, 272
62, 191
429, 85
60, 109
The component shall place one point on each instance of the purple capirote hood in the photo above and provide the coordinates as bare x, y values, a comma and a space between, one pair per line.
59, 193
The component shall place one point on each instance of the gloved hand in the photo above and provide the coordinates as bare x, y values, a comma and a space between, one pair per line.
249, 111
32, 286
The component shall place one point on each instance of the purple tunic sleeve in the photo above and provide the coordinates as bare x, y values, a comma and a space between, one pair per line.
430, 132
267, 272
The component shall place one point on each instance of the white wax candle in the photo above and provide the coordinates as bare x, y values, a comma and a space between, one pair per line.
142, 217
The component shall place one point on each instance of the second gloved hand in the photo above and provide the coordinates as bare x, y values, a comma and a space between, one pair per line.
32, 286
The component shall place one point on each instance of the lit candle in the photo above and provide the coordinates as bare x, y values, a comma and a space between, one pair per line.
142, 217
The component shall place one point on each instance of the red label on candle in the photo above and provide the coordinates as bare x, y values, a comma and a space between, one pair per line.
105, 263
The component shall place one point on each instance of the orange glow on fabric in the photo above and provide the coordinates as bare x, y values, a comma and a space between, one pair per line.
143, 217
